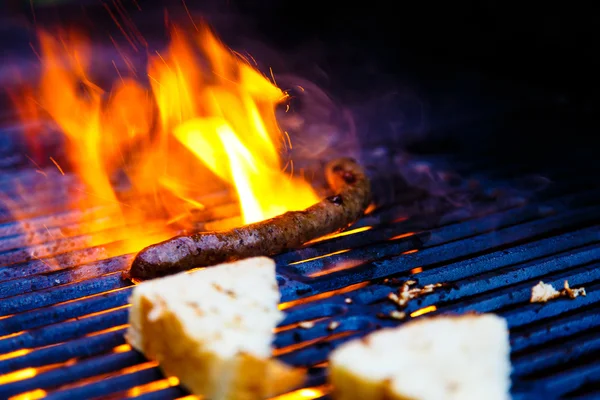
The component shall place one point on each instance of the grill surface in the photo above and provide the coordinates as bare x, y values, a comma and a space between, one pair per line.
63, 305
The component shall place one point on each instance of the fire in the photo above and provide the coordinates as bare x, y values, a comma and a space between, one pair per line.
205, 123
324, 295
304, 394
228, 121
422, 311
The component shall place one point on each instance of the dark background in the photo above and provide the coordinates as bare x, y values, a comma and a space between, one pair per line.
489, 80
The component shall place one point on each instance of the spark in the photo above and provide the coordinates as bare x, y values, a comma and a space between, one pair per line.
224, 78
127, 19
57, 166
35, 51
154, 79
166, 16
126, 60
242, 56
40, 260
116, 21
253, 59
118, 72
33, 12
39, 169
49, 233
272, 76
319, 257
287, 135
340, 234
402, 236
189, 15
163, 60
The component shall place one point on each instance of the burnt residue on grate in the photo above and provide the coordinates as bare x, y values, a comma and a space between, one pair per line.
63, 304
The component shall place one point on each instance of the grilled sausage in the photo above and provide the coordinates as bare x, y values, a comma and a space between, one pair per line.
287, 231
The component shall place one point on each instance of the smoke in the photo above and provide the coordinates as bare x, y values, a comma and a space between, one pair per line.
340, 103
344, 104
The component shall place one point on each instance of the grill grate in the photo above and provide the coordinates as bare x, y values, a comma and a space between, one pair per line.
62, 322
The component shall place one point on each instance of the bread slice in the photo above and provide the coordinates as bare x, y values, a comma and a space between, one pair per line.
213, 329
440, 358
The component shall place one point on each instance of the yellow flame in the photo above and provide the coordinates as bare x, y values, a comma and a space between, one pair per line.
18, 375
122, 348
319, 257
341, 234
31, 395
235, 136
304, 394
424, 310
206, 123
13, 354
152, 387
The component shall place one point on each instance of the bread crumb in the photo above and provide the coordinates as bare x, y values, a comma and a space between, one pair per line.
405, 294
573, 293
333, 325
306, 324
393, 297
543, 292
394, 314
397, 314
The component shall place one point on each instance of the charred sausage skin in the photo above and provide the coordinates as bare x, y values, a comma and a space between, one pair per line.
287, 231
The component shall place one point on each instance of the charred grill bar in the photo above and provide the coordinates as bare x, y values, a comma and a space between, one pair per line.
63, 306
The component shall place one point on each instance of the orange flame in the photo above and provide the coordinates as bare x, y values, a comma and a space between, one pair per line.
228, 121
205, 124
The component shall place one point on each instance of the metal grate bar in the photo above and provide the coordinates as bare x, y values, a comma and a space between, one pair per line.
83, 369
63, 315
78, 348
61, 312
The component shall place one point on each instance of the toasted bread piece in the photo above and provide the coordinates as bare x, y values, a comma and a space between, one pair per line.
213, 329
440, 358
542, 292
